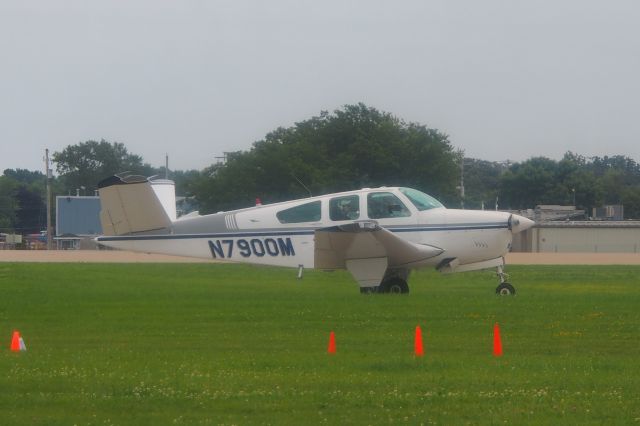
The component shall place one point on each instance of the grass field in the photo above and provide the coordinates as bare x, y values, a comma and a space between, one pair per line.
231, 344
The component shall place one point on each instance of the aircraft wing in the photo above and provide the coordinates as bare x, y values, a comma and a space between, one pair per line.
367, 250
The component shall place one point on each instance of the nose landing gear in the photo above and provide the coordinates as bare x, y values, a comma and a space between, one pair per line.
504, 288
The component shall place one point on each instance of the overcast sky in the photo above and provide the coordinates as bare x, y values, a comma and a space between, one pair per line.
504, 79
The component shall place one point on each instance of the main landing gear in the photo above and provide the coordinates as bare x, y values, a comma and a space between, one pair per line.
389, 286
504, 288
394, 282
394, 286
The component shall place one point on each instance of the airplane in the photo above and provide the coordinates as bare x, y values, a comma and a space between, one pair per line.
378, 234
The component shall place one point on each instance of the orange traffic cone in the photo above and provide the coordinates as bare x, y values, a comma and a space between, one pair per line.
15, 341
497, 342
332, 343
418, 348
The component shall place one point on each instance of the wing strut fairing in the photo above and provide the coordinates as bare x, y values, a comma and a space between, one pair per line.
367, 250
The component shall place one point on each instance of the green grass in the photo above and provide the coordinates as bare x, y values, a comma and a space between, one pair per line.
231, 344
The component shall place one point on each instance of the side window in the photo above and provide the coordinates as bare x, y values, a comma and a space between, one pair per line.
344, 208
309, 212
382, 205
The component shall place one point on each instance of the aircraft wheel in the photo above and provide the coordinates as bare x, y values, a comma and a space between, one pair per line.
368, 290
505, 289
394, 286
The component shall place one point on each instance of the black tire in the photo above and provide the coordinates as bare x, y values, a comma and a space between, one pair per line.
368, 290
394, 286
505, 289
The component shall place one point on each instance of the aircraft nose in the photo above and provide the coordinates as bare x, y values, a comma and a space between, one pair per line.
520, 223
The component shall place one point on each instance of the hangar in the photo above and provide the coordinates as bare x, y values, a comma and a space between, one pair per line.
580, 237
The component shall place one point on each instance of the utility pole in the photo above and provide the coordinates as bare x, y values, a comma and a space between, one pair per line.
47, 172
461, 187
462, 182
166, 166
222, 159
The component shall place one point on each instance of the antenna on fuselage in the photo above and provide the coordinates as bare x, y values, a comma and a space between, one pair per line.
303, 185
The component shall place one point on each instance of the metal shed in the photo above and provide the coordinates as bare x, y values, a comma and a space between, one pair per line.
78, 215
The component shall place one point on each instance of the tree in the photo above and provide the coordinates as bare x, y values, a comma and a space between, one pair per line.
590, 182
578, 183
630, 198
25, 176
184, 181
32, 210
482, 182
85, 164
8, 204
351, 148
27, 200
530, 183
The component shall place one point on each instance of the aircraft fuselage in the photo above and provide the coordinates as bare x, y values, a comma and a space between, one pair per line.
276, 234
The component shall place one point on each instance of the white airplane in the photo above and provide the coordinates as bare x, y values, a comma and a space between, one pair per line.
378, 234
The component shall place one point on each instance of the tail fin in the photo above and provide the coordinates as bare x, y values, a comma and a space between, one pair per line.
135, 204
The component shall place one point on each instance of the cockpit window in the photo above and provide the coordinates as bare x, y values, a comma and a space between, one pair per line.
421, 200
344, 208
382, 205
309, 212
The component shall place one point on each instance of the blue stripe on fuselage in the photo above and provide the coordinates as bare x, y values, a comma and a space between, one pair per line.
306, 231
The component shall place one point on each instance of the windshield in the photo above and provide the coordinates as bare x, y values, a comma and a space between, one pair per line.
421, 200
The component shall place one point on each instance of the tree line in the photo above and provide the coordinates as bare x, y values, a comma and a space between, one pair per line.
350, 148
